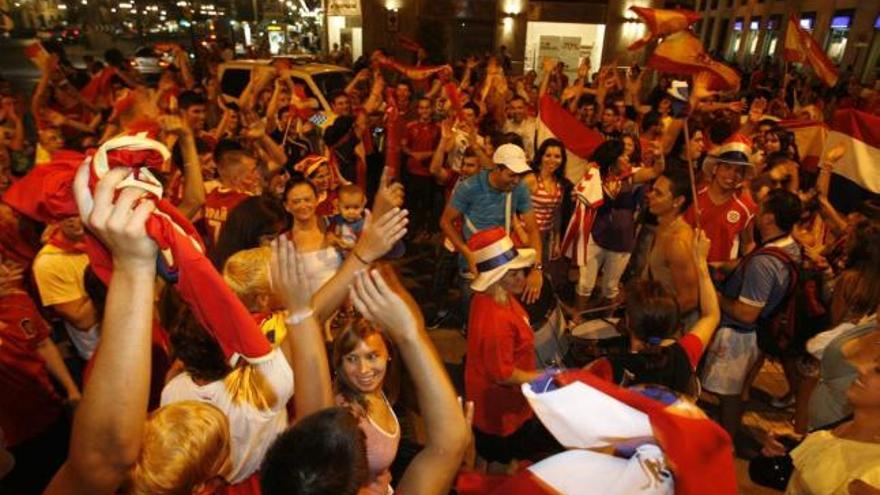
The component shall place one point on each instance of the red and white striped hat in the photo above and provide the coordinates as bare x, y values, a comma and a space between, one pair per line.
495, 255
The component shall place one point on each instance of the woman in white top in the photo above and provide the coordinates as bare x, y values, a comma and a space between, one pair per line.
309, 234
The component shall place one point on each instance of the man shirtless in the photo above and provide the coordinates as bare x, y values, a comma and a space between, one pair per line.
670, 260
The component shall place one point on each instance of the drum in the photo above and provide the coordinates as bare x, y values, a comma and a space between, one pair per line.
551, 341
594, 339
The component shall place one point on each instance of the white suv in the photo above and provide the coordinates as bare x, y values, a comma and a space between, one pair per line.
320, 81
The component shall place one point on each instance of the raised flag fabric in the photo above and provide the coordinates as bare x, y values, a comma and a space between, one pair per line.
46, 194
855, 176
801, 47
580, 141
809, 136
37, 54
662, 22
683, 53
699, 451
661, 443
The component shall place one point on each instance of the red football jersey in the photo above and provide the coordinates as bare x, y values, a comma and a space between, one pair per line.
219, 201
421, 136
28, 403
723, 223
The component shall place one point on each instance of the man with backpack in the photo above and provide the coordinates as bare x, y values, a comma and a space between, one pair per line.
754, 294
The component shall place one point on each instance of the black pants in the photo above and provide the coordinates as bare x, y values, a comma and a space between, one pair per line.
420, 203
531, 441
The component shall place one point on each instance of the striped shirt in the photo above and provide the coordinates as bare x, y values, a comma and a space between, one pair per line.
545, 204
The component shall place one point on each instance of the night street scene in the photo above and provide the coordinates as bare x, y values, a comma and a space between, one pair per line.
500, 247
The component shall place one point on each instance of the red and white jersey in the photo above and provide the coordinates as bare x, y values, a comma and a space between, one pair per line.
723, 223
219, 202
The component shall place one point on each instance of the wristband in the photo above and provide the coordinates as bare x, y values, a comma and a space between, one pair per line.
299, 317
356, 255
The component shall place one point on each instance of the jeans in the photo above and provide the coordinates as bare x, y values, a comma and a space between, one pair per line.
612, 264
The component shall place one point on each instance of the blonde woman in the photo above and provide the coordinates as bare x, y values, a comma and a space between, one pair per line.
501, 354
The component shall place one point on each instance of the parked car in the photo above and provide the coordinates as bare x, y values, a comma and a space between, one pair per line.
148, 61
319, 81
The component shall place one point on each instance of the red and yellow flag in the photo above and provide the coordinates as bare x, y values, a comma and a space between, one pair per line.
683, 53
662, 22
801, 47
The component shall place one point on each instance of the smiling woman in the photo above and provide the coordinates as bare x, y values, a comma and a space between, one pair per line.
365, 379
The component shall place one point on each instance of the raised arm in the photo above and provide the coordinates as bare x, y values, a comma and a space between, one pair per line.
710, 311
304, 344
433, 469
679, 254
379, 237
193, 182
108, 425
447, 140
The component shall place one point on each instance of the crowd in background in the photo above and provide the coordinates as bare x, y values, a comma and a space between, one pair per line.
695, 222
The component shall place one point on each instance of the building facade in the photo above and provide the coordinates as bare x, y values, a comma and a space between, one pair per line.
530, 30
750, 31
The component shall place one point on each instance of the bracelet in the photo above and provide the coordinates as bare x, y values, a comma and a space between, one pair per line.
299, 317
356, 255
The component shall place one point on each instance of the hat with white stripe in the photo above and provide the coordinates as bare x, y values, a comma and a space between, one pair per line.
496, 255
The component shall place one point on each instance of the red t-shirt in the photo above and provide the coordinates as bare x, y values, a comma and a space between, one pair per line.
28, 402
723, 223
219, 201
421, 136
499, 340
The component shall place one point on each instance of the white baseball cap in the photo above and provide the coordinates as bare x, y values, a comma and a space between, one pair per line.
512, 157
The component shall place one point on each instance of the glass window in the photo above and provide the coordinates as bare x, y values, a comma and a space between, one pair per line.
808, 21
839, 35
754, 28
737, 38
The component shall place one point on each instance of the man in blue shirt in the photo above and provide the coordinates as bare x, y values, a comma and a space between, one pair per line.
489, 199
751, 294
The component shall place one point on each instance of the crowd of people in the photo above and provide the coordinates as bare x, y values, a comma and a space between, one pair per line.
199, 295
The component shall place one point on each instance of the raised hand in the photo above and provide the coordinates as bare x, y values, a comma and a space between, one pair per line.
173, 124
756, 111
121, 226
389, 195
835, 153
702, 245
700, 87
380, 236
378, 302
287, 277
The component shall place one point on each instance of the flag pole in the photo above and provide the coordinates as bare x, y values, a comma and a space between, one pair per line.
287, 129
687, 144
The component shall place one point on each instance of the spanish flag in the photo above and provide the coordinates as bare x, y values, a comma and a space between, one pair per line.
801, 47
683, 53
37, 54
662, 22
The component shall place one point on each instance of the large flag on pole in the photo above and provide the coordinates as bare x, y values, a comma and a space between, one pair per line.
856, 176
801, 47
662, 22
580, 141
683, 53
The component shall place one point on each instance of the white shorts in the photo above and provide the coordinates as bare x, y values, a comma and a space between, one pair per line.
729, 358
